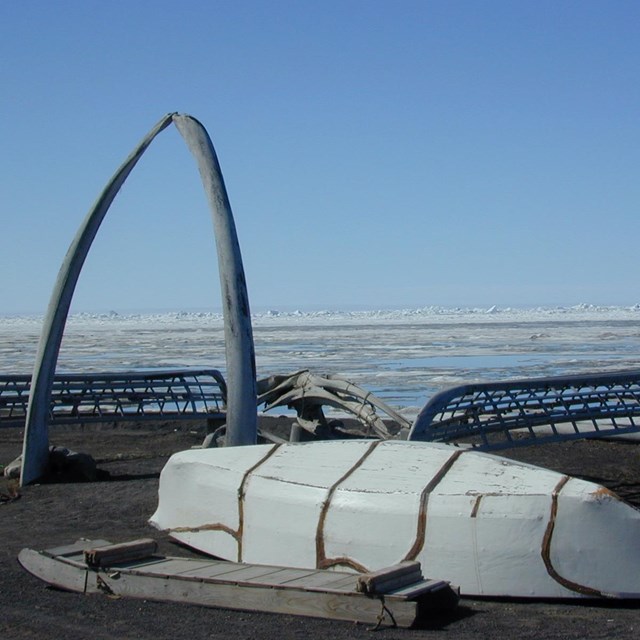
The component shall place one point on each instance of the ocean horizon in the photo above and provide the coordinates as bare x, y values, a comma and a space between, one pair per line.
403, 356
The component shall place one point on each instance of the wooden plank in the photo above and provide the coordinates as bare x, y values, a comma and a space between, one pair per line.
217, 569
344, 581
336, 606
113, 554
59, 574
166, 566
253, 573
280, 577
147, 562
390, 578
221, 570
77, 547
76, 560
287, 575
326, 580
393, 583
193, 566
416, 590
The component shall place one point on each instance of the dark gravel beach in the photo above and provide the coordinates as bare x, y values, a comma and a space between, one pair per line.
118, 506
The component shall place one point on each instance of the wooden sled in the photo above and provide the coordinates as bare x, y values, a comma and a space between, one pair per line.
398, 595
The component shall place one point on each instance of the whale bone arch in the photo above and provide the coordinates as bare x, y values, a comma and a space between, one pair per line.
240, 352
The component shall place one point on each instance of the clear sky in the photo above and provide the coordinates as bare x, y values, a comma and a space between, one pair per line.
376, 153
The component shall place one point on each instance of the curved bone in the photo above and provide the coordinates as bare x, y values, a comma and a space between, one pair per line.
241, 406
308, 393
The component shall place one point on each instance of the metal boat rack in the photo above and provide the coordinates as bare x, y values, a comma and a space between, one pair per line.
499, 415
119, 396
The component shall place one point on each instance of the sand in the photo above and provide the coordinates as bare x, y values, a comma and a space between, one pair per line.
117, 509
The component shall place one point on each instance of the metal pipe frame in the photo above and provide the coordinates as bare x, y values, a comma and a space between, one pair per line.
119, 396
499, 415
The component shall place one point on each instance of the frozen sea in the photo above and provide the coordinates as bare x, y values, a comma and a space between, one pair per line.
403, 356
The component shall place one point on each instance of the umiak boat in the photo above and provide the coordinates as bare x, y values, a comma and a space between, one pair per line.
489, 525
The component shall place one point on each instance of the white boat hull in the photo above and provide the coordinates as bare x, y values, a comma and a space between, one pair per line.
492, 526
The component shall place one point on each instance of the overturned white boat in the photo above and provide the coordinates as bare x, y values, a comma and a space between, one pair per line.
492, 526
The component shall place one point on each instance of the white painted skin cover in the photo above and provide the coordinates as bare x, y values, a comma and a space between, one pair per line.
491, 526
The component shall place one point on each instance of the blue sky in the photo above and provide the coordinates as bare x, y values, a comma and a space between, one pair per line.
377, 154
